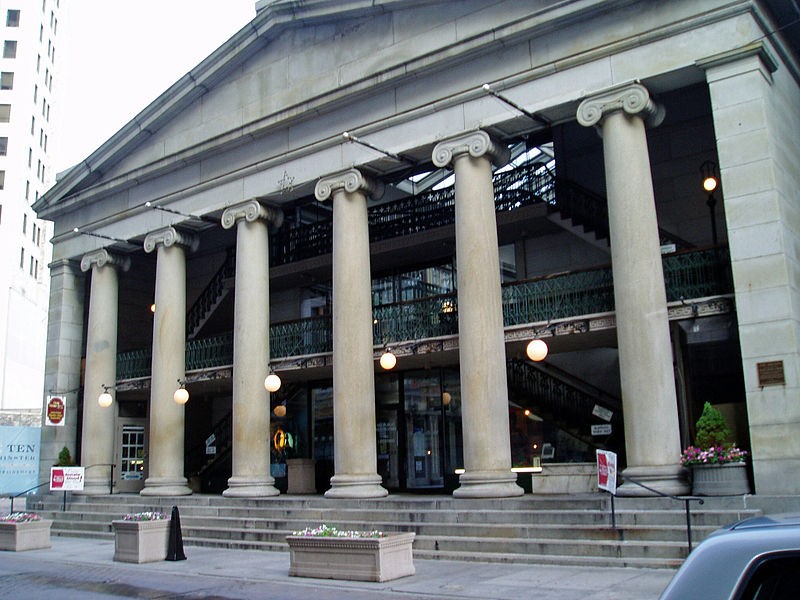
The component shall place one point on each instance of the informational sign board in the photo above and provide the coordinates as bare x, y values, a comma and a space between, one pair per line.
602, 412
66, 479
56, 411
602, 429
19, 458
607, 471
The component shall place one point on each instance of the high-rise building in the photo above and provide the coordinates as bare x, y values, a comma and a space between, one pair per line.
27, 80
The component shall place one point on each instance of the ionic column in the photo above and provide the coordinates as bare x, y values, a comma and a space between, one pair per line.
101, 368
251, 465
482, 354
355, 454
165, 456
645, 357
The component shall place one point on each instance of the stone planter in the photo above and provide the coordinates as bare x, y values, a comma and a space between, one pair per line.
140, 541
720, 480
355, 559
30, 535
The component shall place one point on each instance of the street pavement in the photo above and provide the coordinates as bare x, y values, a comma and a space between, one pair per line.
82, 568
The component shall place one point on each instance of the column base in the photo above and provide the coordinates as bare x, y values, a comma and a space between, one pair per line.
250, 487
165, 486
488, 484
667, 479
356, 486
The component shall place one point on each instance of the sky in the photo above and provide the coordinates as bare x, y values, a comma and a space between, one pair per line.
116, 56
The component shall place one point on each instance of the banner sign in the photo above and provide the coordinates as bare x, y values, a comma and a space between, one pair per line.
66, 479
19, 458
55, 411
607, 471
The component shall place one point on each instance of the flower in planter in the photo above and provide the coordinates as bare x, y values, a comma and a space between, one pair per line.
328, 531
20, 517
145, 516
716, 455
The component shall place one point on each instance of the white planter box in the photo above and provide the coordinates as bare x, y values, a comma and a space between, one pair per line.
31, 535
355, 559
140, 541
720, 480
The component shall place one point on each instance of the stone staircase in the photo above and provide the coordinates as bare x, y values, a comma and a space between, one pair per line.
562, 530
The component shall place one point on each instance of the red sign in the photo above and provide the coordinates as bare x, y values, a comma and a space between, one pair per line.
55, 411
68, 479
607, 471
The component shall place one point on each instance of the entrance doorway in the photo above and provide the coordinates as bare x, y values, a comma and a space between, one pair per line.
130, 455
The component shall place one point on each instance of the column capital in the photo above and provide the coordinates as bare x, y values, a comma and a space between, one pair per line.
251, 210
633, 98
476, 143
64, 265
169, 236
103, 257
351, 181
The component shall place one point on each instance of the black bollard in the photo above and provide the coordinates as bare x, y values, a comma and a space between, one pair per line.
175, 548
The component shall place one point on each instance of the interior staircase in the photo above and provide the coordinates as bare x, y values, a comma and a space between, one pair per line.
536, 529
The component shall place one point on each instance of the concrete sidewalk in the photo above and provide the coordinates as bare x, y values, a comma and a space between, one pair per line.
83, 568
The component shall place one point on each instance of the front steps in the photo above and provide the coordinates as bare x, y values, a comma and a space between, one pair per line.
562, 530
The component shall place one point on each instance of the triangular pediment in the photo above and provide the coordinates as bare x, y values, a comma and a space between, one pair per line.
288, 60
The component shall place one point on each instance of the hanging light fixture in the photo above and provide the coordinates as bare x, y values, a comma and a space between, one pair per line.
388, 360
105, 399
181, 395
446, 398
536, 350
272, 383
280, 410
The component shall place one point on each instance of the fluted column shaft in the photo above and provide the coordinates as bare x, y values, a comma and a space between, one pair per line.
484, 389
251, 419
645, 355
355, 454
165, 456
97, 450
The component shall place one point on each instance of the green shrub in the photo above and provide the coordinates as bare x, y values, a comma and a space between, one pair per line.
711, 428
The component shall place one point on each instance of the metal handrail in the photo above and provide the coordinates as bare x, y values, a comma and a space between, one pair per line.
17, 495
685, 499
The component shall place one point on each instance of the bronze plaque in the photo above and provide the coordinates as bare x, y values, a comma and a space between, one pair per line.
770, 373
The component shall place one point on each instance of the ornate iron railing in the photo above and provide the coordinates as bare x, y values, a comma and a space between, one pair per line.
564, 404
690, 274
211, 296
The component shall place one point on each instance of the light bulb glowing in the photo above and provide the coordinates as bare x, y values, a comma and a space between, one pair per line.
388, 360
105, 400
181, 395
536, 350
272, 383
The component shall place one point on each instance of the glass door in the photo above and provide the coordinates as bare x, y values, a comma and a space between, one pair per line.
131, 460
423, 431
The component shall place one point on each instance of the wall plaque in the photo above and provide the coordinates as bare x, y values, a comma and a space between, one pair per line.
770, 373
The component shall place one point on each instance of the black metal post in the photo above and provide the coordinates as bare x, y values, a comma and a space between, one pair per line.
712, 203
688, 523
111, 481
64, 502
613, 513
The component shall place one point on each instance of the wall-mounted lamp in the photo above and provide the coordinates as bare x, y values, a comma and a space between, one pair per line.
536, 350
272, 383
153, 308
280, 409
181, 395
388, 360
447, 398
105, 399
708, 170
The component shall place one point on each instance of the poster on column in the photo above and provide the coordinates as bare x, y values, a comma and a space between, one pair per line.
607, 471
55, 411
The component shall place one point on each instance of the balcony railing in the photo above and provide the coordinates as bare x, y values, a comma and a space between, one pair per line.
687, 275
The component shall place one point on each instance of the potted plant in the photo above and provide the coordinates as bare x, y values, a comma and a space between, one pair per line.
326, 552
141, 537
718, 466
24, 531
